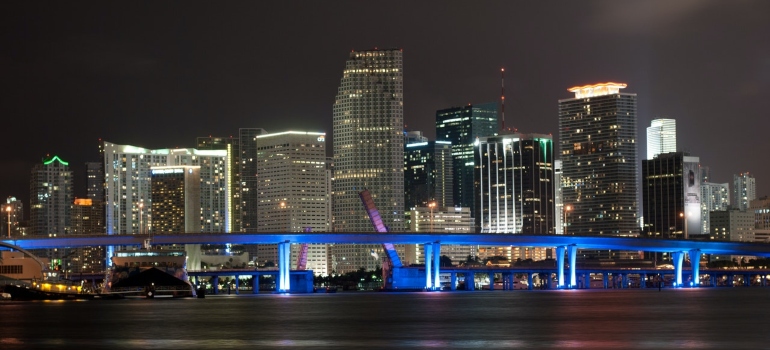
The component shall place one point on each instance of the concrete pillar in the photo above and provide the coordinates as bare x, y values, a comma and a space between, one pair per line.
572, 252
255, 284
678, 258
587, 280
436, 265
695, 263
643, 280
624, 280
491, 280
453, 281
470, 283
605, 278
215, 284
560, 266
763, 280
529, 281
284, 267
428, 265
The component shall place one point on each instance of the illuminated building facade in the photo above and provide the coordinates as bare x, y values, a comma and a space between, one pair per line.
428, 174
557, 199
368, 122
441, 220
597, 145
87, 216
247, 140
176, 199
744, 190
515, 184
233, 163
16, 216
461, 126
671, 195
51, 196
714, 197
661, 137
128, 180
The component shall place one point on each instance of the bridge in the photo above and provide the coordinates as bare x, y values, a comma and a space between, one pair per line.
568, 244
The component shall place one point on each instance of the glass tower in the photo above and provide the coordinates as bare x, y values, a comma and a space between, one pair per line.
461, 126
597, 141
661, 137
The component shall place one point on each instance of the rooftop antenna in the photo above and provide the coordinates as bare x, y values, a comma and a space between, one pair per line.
502, 94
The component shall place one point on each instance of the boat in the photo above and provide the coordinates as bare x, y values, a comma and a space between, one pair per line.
51, 287
149, 272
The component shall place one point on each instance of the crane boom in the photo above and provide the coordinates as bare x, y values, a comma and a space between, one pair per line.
379, 226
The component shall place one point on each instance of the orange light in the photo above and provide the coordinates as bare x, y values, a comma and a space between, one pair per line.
599, 89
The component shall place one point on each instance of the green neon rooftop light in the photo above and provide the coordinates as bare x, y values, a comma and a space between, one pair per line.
55, 158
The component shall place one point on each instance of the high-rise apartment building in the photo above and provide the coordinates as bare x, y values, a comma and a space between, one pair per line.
12, 213
744, 190
128, 171
515, 184
671, 191
598, 149
51, 196
558, 199
714, 197
428, 174
87, 218
233, 164
368, 122
462, 126
661, 137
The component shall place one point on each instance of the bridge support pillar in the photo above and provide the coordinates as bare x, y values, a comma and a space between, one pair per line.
453, 281
237, 285
624, 281
215, 284
529, 281
678, 258
605, 278
762, 279
695, 263
560, 267
643, 280
254, 284
436, 265
491, 280
284, 267
572, 252
428, 247
470, 281
587, 280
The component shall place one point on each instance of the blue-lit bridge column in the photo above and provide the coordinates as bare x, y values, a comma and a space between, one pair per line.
678, 259
529, 281
428, 262
695, 263
605, 277
560, 266
453, 279
572, 251
237, 285
255, 284
587, 280
436, 265
643, 280
284, 255
215, 284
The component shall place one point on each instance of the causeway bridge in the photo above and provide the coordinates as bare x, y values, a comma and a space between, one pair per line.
566, 248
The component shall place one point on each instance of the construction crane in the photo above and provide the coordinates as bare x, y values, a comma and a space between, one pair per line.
302, 254
392, 259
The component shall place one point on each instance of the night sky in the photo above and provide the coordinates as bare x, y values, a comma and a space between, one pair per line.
158, 74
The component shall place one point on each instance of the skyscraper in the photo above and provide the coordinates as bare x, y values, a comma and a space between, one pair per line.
744, 190
714, 197
247, 140
368, 122
597, 141
515, 184
461, 126
661, 137
51, 197
428, 174
671, 191
233, 164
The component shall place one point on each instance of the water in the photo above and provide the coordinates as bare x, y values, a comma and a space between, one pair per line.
707, 318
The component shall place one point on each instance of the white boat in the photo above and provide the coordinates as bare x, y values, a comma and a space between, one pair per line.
148, 273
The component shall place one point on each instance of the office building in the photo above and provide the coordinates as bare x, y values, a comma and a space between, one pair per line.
714, 197
515, 183
368, 121
661, 137
462, 126
51, 196
233, 163
175, 197
13, 214
671, 191
598, 149
744, 190
247, 140
87, 216
732, 225
440, 220
557, 199
428, 174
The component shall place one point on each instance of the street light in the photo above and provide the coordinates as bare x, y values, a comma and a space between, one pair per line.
684, 217
8, 209
431, 205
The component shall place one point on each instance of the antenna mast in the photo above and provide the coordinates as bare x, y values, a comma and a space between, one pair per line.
502, 94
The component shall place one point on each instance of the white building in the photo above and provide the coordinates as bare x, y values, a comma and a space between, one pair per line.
368, 124
714, 197
744, 190
661, 137
440, 220
292, 191
127, 184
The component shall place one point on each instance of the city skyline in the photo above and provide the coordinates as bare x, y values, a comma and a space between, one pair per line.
76, 73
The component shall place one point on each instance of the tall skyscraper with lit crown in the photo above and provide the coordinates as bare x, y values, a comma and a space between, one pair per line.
368, 149
597, 139
661, 137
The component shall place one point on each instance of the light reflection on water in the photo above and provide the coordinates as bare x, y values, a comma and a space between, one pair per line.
596, 319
